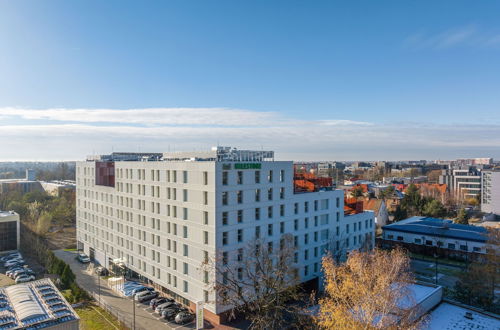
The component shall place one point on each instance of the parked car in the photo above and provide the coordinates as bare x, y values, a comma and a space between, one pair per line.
146, 295
10, 257
13, 269
163, 306
141, 289
170, 313
14, 262
101, 271
184, 317
83, 258
25, 278
158, 301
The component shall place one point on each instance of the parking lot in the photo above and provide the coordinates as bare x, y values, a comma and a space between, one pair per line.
121, 307
23, 266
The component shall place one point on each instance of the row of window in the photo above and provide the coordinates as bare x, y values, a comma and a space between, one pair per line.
257, 177
451, 246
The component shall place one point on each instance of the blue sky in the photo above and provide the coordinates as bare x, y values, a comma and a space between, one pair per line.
312, 80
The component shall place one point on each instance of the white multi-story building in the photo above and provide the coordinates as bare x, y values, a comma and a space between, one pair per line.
9, 231
164, 215
490, 192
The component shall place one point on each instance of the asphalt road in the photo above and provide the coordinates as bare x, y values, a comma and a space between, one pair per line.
122, 307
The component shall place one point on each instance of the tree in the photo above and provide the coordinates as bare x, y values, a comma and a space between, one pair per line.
412, 201
399, 213
43, 223
434, 208
260, 283
477, 285
357, 192
366, 292
462, 217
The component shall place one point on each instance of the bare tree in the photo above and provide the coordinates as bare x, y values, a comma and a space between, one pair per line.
261, 283
369, 291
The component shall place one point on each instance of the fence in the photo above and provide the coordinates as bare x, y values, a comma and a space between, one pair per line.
123, 318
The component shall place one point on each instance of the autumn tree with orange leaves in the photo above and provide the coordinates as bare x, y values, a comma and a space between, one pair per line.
369, 291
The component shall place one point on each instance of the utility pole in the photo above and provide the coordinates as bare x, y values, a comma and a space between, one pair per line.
133, 304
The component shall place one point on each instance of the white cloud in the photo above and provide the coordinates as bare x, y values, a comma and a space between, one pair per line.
469, 35
149, 116
339, 139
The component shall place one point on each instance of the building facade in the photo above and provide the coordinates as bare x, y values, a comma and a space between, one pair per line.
9, 231
463, 183
490, 192
164, 216
431, 232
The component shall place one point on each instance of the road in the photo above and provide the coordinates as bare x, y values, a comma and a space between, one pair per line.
121, 307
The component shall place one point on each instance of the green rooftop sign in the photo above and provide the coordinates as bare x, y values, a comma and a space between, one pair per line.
247, 166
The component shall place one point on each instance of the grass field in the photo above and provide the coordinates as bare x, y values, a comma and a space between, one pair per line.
95, 318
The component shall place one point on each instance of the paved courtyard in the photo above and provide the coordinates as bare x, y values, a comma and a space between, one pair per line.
122, 307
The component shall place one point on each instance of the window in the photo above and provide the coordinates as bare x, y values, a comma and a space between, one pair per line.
257, 176
315, 236
257, 195
240, 255
476, 249
184, 213
282, 175
306, 270
224, 178
270, 176
270, 247
306, 207
239, 195
347, 229
185, 231
295, 257
224, 218
270, 229
205, 295
184, 177
306, 238
184, 195
306, 254
205, 237
240, 216
270, 212
205, 217
257, 232
418, 241
240, 177
464, 248
240, 235
390, 236
224, 258
400, 238
315, 205
451, 246
225, 197
282, 227
296, 224
296, 241
270, 194
185, 268
185, 286
205, 197
205, 178
257, 213
282, 210
337, 202
306, 223
240, 273
282, 193
428, 242
224, 238
338, 216
296, 208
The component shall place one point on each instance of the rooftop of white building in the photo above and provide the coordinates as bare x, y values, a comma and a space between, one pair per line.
33, 305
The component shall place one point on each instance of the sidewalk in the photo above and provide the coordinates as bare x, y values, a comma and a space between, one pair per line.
119, 306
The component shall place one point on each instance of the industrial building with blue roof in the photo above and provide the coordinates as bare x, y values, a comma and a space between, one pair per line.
437, 232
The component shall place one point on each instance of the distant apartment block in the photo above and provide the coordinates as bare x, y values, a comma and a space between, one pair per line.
490, 192
9, 231
165, 214
463, 183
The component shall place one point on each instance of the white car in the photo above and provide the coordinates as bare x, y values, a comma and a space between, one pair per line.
14, 262
25, 278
